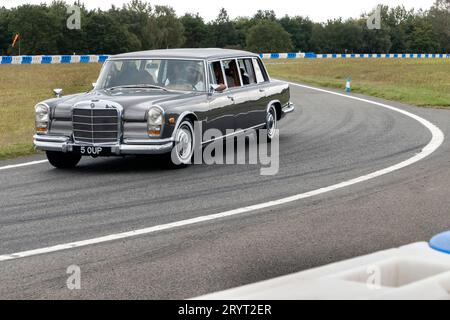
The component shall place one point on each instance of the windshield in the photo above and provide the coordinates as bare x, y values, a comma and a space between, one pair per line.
163, 74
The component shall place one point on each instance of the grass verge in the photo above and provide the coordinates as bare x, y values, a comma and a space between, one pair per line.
22, 86
417, 82
420, 82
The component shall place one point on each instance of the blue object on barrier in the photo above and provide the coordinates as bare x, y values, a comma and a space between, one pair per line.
272, 56
26, 60
46, 59
102, 58
6, 60
441, 242
311, 55
84, 59
292, 55
66, 59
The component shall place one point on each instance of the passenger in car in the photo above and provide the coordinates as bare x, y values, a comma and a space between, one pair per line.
245, 77
232, 75
219, 77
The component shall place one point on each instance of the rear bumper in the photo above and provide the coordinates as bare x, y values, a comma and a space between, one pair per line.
288, 108
65, 144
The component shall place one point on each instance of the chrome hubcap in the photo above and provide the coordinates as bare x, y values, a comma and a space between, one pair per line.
184, 145
271, 123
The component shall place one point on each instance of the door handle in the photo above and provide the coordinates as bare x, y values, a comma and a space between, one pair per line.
231, 98
262, 90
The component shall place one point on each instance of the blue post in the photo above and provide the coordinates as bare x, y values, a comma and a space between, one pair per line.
348, 85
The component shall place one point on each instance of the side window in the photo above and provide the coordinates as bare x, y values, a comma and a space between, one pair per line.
232, 73
247, 71
215, 73
261, 75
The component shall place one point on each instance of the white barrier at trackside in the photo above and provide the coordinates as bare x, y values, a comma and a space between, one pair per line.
57, 59
411, 272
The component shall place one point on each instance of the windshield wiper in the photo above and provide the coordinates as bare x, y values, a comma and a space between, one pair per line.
139, 86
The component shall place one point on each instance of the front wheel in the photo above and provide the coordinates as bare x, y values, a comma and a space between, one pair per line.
183, 150
63, 160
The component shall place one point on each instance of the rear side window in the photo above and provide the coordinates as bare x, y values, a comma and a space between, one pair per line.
261, 75
247, 71
231, 73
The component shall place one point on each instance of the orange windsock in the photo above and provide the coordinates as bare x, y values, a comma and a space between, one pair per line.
16, 38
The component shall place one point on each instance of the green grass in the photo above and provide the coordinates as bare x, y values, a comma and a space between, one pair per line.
417, 82
412, 81
21, 87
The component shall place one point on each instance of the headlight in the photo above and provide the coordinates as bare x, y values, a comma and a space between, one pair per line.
42, 117
155, 121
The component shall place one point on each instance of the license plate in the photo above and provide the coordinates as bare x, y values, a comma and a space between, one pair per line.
93, 151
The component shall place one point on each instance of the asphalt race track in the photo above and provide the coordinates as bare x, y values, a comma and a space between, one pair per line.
328, 140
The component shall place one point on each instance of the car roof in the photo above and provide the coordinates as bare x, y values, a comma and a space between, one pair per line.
203, 53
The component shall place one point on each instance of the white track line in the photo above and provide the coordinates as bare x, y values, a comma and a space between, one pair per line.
435, 142
26, 164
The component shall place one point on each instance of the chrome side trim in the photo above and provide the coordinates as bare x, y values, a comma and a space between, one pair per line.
235, 133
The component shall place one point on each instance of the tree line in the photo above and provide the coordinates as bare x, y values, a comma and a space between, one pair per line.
140, 26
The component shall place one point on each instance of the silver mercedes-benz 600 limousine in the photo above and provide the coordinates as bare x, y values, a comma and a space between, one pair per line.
148, 102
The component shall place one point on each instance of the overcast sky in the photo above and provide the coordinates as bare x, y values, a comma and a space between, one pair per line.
317, 10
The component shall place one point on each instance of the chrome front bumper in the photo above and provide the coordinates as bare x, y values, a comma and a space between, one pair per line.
65, 144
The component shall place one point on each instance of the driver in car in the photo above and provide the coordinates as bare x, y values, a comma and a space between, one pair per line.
185, 76
195, 77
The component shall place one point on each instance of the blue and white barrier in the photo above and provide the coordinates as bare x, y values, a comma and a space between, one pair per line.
47, 59
311, 55
58, 59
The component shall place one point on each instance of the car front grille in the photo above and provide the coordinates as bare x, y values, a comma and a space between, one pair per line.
96, 126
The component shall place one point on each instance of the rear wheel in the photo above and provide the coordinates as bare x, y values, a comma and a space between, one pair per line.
271, 124
63, 160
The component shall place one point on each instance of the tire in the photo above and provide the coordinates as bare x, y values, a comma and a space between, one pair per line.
183, 150
62, 160
271, 124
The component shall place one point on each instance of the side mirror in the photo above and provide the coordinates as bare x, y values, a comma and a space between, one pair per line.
58, 92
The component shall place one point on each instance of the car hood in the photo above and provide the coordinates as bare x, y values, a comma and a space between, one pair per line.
135, 102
